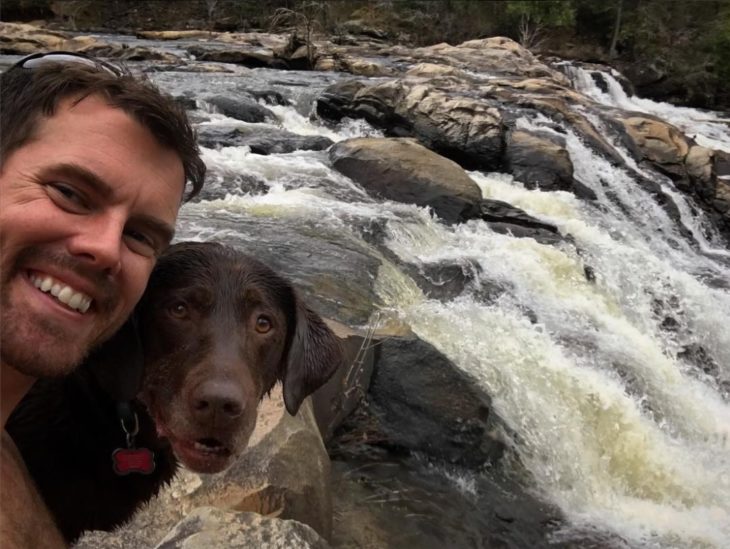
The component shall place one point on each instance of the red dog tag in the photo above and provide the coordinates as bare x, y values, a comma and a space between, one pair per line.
133, 460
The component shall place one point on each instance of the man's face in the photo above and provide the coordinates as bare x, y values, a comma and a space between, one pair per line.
85, 206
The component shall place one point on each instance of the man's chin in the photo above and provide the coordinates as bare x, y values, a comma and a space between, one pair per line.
41, 360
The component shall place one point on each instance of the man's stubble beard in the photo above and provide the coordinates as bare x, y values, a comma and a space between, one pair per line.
55, 354
20, 349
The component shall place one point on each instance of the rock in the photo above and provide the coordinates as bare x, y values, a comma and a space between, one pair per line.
262, 140
208, 527
540, 159
503, 217
655, 140
402, 170
253, 58
335, 102
495, 55
699, 163
177, 35
22, 39
463, 128
340, 396
218, 184
424, 403
241, 108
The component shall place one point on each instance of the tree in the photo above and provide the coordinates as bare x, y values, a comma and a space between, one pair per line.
534, 16
616, 28
301, 23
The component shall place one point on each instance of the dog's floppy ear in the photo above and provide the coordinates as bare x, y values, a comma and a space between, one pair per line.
118, 363
314, 355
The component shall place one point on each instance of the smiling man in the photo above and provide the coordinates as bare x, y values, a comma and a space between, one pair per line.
93, 169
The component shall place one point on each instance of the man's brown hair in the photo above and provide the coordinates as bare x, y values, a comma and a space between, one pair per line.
29, 94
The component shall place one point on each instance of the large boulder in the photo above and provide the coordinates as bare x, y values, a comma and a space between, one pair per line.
424, 403
404, 171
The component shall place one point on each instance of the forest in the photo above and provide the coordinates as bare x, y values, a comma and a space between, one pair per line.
672, 50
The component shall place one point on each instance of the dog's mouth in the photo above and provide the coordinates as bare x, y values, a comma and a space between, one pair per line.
201, 454
204, 455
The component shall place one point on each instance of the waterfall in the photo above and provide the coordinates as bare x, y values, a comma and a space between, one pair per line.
708, 128
610, 415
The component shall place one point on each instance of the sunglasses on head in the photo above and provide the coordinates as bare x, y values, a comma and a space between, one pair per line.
37, 60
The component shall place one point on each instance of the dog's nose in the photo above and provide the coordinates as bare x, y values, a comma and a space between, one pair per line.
217, 400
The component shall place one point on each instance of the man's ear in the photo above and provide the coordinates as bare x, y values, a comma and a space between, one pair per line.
118, 363
314, 355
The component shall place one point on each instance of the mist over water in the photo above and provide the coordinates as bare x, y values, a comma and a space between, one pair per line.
612, 418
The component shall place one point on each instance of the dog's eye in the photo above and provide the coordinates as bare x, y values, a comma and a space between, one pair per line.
178, 310
263, 324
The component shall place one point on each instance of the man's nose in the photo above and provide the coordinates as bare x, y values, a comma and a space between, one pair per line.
98, 241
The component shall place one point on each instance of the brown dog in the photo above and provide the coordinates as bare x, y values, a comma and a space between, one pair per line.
213, 333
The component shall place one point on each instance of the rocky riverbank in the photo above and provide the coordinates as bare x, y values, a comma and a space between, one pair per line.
399, 404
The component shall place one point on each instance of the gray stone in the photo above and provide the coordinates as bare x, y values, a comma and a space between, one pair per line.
404, 171
208, 527
425, 403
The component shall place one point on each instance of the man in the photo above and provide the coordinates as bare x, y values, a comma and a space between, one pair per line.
93, 168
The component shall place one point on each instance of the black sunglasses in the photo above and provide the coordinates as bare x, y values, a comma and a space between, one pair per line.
65, 58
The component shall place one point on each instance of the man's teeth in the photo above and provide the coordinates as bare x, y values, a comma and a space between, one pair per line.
65, 294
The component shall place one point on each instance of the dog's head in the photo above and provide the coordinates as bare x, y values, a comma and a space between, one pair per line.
218, 329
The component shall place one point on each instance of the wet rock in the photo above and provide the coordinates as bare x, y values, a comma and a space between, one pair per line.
272, 97
218, 184
424, 403
402, 170
334, 103
504, 218
241, 108
540, 159
262, 141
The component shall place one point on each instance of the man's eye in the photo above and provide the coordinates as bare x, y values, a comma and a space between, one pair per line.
140, 243
67, 197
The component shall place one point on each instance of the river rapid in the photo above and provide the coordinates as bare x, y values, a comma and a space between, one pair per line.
615, 393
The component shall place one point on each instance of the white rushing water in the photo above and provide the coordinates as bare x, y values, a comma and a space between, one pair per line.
612, 421
709, 129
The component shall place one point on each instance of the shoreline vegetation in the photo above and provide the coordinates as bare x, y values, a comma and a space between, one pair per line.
670, 50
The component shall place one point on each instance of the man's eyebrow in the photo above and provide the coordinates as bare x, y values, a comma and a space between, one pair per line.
84, 175
80, 173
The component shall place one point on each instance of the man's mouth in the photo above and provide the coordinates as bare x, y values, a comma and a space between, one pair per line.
64, 293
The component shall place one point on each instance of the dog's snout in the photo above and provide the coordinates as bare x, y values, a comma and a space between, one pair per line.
215, 400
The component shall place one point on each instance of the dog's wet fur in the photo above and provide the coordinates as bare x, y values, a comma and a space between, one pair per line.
213, 333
